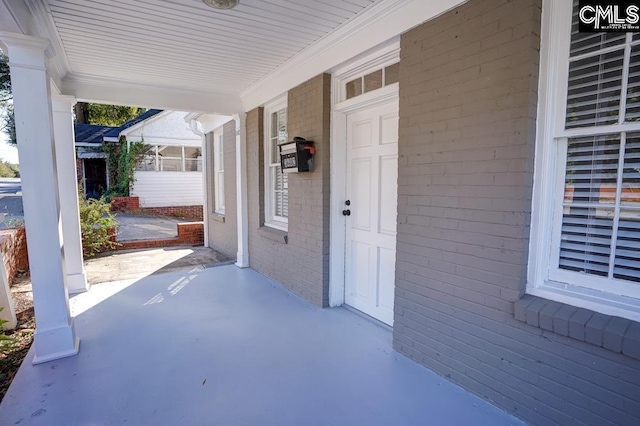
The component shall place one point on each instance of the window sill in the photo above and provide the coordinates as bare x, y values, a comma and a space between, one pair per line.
610, 332
217, 217
273, 234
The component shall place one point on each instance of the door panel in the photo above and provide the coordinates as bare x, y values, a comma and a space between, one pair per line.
372, 188
361, 217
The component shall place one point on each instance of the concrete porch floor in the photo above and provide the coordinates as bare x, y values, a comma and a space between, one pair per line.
225, 346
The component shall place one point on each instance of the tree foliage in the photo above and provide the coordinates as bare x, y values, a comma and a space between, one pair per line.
86, 113
8, 170
112, 115
122, 159
7, 122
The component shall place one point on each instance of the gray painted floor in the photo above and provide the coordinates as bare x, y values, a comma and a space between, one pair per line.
225, 346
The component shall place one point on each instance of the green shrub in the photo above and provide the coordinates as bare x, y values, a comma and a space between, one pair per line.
97, 225
6, 342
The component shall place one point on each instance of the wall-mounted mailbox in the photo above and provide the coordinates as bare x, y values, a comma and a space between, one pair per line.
297, 156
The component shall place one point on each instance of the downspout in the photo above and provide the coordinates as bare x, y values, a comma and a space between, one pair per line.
193, 125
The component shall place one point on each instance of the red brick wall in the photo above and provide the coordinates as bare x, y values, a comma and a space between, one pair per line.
79, 175
131, 205
184, 212
189, 233
13, 246
122, 204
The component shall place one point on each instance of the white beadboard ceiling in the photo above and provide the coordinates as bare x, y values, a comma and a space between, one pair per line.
185, 44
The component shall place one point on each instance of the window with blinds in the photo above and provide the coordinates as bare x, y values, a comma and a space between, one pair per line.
600, 226
277, 188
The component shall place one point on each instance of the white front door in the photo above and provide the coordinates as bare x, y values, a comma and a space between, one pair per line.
372, 194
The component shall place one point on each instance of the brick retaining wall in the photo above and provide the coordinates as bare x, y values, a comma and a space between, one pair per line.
13, 246
131, 205
189, 233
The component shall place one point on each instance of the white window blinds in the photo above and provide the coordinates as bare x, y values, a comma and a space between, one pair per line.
600, 227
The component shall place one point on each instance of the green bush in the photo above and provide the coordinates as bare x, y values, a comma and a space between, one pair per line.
97, 224
6, 342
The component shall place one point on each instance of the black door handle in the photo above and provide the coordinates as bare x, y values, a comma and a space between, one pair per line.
346, 212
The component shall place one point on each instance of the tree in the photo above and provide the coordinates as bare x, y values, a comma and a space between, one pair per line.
86, 113
7, 121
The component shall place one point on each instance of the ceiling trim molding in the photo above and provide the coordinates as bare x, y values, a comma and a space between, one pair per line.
16, 17
43, 19
98, 90
378, 24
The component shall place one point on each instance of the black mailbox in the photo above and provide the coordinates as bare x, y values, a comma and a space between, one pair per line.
297, 156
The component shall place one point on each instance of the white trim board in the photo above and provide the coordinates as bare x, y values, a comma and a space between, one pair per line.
107, 91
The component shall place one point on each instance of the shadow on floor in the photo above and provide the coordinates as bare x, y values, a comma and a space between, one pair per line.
136, 264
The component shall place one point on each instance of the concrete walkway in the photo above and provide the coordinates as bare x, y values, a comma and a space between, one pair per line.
136, 264
133, 227
226, 346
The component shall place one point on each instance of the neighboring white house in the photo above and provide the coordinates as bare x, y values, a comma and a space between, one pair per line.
170, 177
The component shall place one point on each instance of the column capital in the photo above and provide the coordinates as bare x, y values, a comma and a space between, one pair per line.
62, 103
240, 118
24, 50
24, 41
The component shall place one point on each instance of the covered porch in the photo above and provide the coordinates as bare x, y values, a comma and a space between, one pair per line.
227, 346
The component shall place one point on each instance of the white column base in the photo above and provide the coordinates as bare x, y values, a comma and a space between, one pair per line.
77, 283
55, 343
242, 260
8, 312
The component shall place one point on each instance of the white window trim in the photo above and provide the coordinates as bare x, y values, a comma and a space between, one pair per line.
549, 174
270, 218
218, 172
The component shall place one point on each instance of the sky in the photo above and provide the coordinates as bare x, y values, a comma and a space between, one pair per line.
7, 152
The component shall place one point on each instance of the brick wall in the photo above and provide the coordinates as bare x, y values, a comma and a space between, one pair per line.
184, 212
79, 170
125, 204
468, 93
13, 246
189, 234
131, 205
302, 263
223, 232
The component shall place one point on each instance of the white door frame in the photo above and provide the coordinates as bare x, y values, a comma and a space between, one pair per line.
386, 55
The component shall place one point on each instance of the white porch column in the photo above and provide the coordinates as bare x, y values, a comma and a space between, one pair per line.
68, 192
241, 190
54, 336
195, 127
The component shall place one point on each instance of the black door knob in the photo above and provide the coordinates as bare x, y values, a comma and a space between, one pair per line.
346, 212
348, 202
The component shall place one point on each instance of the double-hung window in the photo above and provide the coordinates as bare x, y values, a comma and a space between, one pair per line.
218, 172
276, 182
585, 247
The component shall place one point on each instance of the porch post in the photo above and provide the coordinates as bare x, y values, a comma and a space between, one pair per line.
241, 189
54, 336
68, 188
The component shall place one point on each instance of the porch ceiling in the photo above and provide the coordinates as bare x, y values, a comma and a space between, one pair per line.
183, 55
186, 44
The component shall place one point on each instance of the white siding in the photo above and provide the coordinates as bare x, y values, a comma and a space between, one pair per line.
166, 128
165, 189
